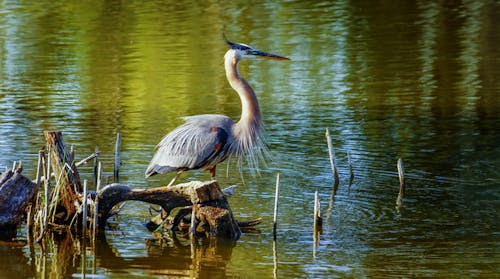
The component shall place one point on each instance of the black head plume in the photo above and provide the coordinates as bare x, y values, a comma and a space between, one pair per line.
231, 44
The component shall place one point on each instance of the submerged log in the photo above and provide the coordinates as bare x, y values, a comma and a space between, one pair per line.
16, 192
209, 202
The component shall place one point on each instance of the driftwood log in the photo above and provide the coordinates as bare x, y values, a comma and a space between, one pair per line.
208, 202
16, 192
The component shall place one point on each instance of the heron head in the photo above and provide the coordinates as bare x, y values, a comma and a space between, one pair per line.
244, 51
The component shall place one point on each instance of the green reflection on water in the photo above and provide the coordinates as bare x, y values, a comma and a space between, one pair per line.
412, 80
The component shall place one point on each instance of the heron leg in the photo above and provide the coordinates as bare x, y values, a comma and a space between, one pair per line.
212, 173
174, 179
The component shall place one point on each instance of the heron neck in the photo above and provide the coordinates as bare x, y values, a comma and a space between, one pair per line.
250, 110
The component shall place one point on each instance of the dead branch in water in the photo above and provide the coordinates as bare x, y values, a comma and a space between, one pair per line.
116, 170
402, 184
332, 156
209, 202
276, 200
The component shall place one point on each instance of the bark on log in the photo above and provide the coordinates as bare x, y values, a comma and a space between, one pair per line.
211, 205
66, 174
16, 192
218, 219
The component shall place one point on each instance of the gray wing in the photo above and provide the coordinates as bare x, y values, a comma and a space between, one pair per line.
201, 142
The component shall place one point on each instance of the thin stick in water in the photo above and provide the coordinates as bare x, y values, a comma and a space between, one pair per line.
332, 155
276, 195
86, 160
96, 202
84, 229
96, 162
317, 222
402, 184
39, 174
84, 205
72, 154
47, 190
34, 206
117, 158
46, 196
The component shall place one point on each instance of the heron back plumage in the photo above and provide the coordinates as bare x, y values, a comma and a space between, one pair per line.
201, 142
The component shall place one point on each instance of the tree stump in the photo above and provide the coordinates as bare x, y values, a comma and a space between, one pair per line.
218, 219
68, 185
16, 192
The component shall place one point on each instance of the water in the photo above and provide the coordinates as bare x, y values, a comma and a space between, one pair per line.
410, 80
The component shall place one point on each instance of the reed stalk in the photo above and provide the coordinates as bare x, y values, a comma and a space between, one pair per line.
332, 156
43, 215
84, 209
276, 198
34, 205
39, 168
47, 191
96, 202
71, 154
96, 167
117, 158
317, 222
402, 183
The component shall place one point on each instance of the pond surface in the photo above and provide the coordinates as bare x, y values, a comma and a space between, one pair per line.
417, 81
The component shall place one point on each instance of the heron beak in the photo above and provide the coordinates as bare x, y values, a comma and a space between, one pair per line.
269, 55
252, 51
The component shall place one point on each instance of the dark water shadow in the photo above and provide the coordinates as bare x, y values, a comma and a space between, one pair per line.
13, 261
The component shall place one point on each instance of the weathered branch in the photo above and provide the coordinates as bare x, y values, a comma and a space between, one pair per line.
210, 203
16, 192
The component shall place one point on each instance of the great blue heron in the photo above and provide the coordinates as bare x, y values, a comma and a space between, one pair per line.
205, 140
